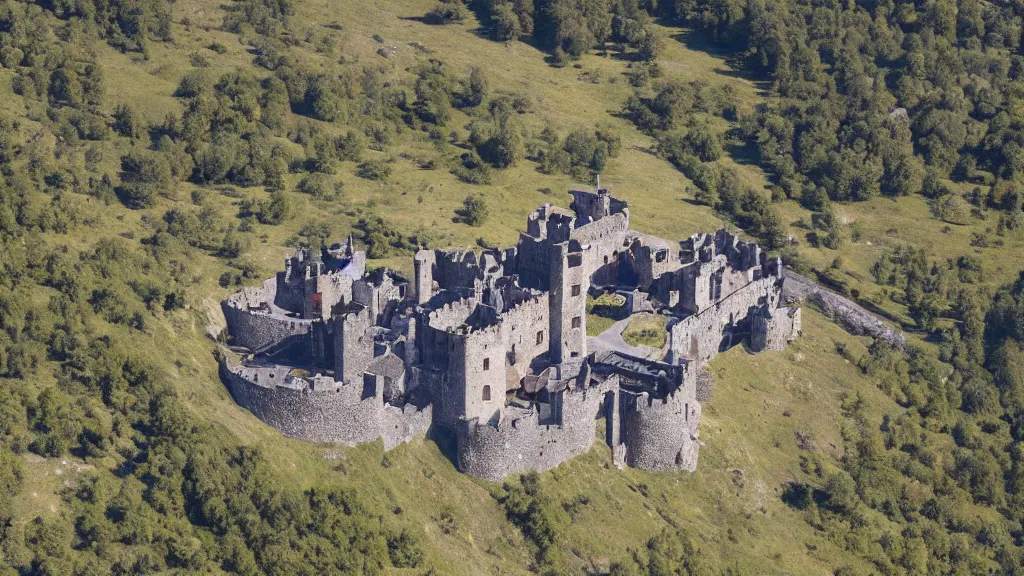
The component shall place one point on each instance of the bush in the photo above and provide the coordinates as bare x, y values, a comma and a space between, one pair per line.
474, 211
320, 186
374, 170
445, 13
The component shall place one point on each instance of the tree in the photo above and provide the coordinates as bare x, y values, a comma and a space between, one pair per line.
144, 175
478, 87
474, 210
505, 22
128, 123
276, 210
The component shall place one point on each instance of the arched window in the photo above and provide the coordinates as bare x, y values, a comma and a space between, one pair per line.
487, 393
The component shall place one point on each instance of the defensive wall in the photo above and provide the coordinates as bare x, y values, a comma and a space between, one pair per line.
320, 409
529, 441
255, 323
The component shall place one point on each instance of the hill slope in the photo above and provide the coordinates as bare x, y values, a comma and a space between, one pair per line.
155, 163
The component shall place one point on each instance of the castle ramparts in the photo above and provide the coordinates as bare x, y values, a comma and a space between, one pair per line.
492, 346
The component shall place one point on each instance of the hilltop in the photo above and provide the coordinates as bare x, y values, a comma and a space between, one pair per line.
158, 156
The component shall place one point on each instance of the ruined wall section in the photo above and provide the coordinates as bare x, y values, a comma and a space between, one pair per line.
353, 344
774, 329
252, 322
322, 410
697, 337
423, 283
570, 281
652, 259
544, 229
525, 335
661, 434
335, 290
522, 443
477, 364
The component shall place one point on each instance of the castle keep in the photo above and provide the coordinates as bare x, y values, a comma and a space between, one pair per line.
492, 346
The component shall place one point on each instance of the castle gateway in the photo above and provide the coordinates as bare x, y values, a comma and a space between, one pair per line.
492, 346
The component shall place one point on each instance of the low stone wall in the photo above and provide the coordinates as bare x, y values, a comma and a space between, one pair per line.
661, 434
523, 444
337, 414
852, 317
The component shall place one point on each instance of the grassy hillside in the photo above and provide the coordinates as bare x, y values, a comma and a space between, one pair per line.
774, 419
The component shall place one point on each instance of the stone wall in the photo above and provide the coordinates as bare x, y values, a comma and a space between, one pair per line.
325, 411
251, 323
522, 443
852, 317
353, 344
521, 325
570, 281
774, 329
697, 337
477, 360
661, 434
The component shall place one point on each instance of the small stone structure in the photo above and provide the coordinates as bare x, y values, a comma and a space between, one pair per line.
492, 346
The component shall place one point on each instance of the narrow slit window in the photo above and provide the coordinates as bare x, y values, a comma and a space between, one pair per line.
540, 337
487, 364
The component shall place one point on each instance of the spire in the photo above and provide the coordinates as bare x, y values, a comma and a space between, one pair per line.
598, 182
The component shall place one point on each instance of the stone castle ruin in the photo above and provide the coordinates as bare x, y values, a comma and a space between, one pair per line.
492, 346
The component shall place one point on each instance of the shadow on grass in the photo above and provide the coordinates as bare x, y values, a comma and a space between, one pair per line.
446, 443
698, 41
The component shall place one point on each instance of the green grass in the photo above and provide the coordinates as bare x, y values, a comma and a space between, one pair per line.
759, 404
646, 330
604, 311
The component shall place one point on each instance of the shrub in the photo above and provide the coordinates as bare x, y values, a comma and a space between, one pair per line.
374, 170
474, 211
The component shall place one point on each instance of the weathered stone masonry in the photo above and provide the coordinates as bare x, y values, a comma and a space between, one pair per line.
492, 345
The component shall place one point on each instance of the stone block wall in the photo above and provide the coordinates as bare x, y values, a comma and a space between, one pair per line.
521, 325
521, 444
697, 337
353, 344
570, 281
661, 434
477, 360
256, 328
774, 329
327, 411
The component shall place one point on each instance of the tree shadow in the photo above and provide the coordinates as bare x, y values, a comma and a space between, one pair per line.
741, 151
699, 41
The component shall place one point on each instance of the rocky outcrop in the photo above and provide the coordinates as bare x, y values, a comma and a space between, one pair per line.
852, 317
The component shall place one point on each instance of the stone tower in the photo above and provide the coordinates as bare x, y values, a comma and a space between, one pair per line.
568, 304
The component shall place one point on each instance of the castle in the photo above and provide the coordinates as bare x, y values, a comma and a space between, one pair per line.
492, 346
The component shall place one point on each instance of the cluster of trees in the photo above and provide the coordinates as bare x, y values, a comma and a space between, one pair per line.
165, 491
936, 488
567, 28
928, 289
870, 96
673, 113
581, 154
